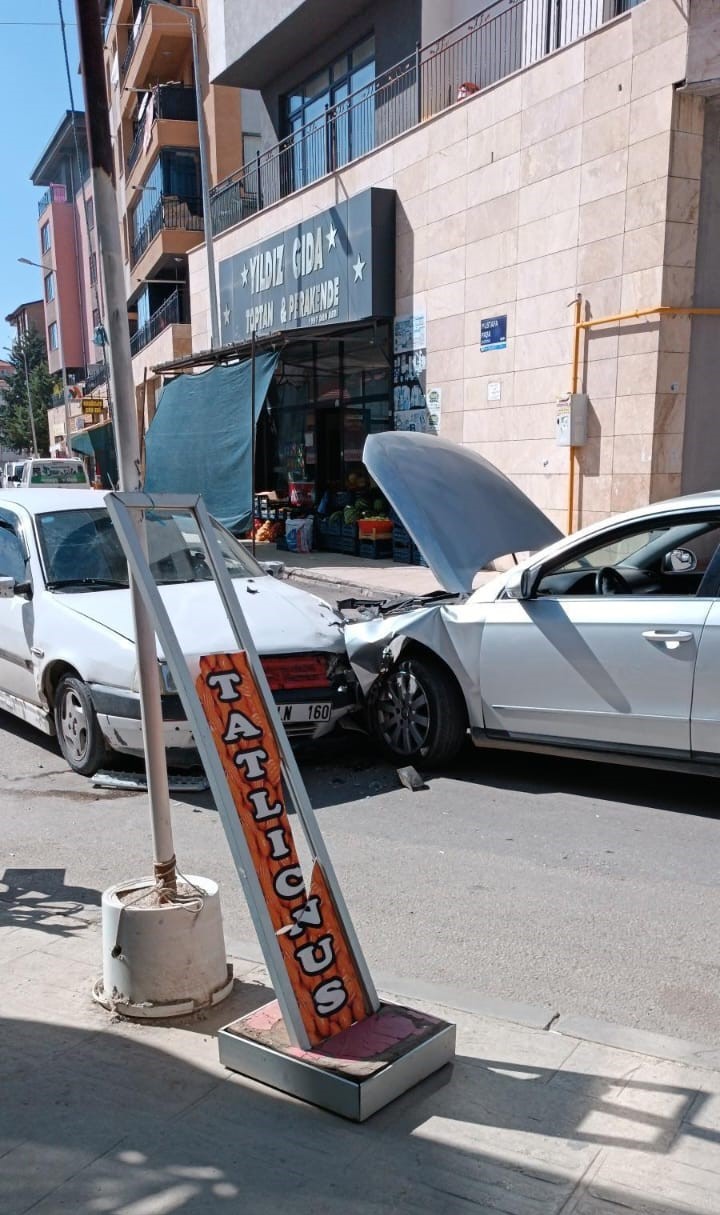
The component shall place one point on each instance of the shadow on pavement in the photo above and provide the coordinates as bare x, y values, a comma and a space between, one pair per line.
119, 1120
39, 898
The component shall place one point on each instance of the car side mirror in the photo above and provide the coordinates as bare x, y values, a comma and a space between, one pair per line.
679, 561
521, 583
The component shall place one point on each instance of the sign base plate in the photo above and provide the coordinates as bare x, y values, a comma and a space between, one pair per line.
356, 1072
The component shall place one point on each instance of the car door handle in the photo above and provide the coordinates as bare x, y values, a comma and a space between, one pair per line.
658, 635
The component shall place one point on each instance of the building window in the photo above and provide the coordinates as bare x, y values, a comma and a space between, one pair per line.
53, 336
320, 142
50, 286
93, 268
96, 319
90, 213
45, 241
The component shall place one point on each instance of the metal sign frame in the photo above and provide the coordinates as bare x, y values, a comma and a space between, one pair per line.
121, 508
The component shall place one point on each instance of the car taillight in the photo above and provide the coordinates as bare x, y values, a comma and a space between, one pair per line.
296, 671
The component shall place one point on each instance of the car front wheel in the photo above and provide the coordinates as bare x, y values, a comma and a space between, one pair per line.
79, 735
417, 712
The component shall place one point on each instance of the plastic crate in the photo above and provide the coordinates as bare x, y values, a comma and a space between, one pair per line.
377, 550
417, 557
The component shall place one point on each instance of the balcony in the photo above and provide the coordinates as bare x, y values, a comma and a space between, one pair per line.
96, 374
476, 54
169, 215
55, 194
157, 44
172, 312
169, 103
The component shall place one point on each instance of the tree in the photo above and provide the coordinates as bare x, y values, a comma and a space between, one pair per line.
15, 431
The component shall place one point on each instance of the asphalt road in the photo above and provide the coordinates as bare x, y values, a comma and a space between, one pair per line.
585, 887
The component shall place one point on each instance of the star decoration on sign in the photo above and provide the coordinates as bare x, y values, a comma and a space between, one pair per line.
226, 314
244, 274
358, 268
330, 236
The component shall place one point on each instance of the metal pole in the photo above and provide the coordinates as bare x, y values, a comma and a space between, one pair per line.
127, 438
29, 400
252, 435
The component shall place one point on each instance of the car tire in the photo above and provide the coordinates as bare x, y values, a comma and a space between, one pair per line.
417, 712
79, 735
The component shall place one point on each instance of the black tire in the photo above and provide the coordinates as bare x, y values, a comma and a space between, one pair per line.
79, 735
417, 712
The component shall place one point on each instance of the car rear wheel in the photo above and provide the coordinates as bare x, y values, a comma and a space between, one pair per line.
417, 712
79, 735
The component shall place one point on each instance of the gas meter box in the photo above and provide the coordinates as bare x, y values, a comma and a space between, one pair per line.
571, 420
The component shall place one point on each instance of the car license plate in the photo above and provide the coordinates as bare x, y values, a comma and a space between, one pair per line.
303, 714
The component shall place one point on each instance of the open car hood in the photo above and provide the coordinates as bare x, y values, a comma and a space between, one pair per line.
459, 509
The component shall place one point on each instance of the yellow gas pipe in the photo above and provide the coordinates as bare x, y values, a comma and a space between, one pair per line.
579, 325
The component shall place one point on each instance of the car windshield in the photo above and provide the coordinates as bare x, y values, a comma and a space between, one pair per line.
81, 551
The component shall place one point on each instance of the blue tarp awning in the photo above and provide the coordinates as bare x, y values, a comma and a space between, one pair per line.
200, 439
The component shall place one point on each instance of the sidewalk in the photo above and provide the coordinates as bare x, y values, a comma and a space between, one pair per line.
358, 574
101, 1115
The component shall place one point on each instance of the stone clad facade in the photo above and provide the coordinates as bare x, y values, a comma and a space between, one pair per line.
580, 174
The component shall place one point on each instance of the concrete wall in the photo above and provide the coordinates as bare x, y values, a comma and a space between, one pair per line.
579, 174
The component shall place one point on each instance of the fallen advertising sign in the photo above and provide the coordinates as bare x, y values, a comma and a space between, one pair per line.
327, 1038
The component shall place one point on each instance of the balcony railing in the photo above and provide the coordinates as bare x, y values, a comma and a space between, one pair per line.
96, 374
171, 312
168, 212
136, 28
56, 194
174, 101
507, 36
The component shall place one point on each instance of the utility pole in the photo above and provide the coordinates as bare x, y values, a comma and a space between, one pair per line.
126, 431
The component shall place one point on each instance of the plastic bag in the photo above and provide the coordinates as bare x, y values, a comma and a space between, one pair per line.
299, 534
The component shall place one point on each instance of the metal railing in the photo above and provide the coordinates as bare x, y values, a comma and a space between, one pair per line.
52, 194
136, 28
96, 374
174, 101
168, 212
506, 36
171, 312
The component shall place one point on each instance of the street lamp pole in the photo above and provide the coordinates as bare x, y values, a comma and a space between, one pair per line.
63, 369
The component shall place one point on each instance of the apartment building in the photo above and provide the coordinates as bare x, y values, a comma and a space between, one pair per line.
157, 76
30, 315
438, 195
72, 291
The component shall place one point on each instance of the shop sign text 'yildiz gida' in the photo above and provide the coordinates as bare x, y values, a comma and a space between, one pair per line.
337, 267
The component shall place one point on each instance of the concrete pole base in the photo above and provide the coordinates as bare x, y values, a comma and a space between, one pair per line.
162, 960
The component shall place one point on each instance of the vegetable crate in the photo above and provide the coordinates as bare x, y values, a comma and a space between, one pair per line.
402, 545
378, 550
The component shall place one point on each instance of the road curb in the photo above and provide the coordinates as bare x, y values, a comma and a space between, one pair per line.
307, 574
529, 1016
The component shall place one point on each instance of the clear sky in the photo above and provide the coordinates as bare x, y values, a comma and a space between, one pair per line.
33, 99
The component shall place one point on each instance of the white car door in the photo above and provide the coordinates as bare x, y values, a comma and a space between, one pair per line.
16, 615
600, 670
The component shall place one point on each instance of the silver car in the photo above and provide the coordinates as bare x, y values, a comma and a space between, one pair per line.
605, 643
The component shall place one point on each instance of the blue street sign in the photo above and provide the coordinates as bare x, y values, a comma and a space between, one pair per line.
493, 333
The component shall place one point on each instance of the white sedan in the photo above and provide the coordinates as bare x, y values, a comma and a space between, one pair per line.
604, 643
67, 653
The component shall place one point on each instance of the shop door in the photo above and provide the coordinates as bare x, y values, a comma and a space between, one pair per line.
329, 451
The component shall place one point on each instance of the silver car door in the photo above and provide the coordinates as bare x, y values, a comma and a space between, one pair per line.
16, 617
705, 717
615, 671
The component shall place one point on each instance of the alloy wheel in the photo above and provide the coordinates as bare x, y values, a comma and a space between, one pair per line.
403, 711
74, 725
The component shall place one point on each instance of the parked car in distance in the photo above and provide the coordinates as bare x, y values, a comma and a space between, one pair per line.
55, 472
11, 473
605, 643
67, 653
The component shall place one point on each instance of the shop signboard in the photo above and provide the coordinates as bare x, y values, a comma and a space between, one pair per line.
92, 406
337, 267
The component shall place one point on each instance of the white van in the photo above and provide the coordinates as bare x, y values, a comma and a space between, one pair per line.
11, 473
70, 473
